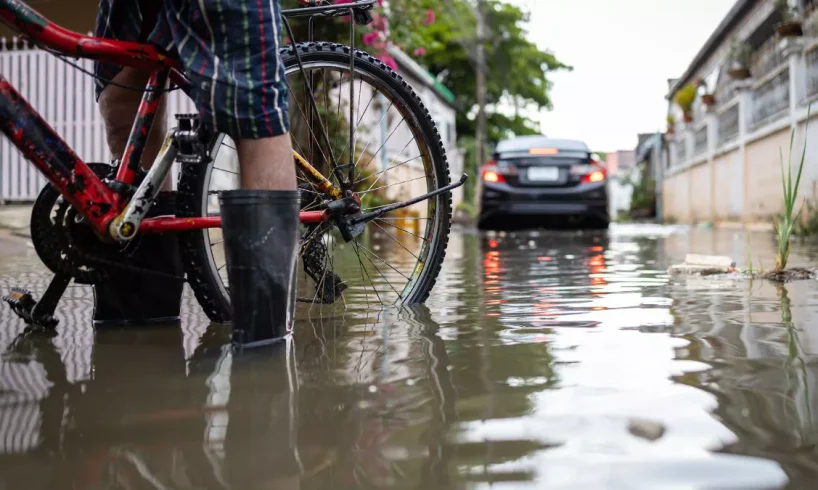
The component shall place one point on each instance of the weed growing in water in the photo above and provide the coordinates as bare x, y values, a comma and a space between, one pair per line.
785, 223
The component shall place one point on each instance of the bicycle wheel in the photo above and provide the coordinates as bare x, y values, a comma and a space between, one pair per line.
397, 259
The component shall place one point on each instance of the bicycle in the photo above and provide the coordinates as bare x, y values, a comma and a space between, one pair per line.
89, 211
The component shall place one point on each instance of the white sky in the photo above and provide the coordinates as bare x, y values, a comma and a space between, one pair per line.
623, 52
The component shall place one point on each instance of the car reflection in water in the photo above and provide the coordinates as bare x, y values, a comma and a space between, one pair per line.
538, 295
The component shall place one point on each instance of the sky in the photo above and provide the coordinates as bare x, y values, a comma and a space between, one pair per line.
623, 52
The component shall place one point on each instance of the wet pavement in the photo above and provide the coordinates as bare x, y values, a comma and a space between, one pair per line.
542, 359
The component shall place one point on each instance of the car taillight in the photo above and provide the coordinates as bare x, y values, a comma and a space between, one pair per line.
596, 175
490, 173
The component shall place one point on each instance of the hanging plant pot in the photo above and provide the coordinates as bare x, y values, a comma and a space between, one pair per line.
789, 28
688, 116
739, 72
708, 99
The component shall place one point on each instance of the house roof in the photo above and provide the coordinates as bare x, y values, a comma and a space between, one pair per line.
407, 63
716, 39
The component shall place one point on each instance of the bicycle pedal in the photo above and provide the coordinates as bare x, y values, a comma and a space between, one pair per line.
22, 303
20, 299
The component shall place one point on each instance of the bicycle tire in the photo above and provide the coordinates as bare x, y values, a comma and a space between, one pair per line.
193, 183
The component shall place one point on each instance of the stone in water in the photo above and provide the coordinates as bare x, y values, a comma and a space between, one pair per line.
646, 429
721, 261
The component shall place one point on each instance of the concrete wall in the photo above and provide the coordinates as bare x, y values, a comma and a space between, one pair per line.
676, 198
727, 193
701, 194
763, 163
716, 190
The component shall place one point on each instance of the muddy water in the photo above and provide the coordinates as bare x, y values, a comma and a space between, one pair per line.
550, 360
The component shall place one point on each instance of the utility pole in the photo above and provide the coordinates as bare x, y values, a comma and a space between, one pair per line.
481, 82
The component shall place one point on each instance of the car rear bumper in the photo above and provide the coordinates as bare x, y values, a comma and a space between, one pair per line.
595, 210
583, 201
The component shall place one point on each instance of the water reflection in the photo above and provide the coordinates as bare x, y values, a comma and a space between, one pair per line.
152, 417
764, 375
531, 364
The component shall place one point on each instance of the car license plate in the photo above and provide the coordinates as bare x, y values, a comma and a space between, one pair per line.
543, 174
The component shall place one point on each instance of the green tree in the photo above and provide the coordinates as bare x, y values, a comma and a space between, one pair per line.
441, 35
517, 70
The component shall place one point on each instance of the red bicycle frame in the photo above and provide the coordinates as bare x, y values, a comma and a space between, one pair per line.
52, 156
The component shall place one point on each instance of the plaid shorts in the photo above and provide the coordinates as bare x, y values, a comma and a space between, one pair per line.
228, 48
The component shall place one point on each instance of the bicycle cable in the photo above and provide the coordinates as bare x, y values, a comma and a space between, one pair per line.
109, 81
101, 78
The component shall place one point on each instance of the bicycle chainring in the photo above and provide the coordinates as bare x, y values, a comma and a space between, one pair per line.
56, 234
65, 243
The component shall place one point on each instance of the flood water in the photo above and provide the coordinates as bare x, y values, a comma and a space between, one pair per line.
542, 360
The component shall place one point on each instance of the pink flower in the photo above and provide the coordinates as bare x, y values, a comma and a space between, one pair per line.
378, 22
370, 38
430, 17
420, 51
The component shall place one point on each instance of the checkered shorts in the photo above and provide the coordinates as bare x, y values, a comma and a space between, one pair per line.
229, 49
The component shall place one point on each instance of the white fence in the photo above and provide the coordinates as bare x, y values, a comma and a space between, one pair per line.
64, 97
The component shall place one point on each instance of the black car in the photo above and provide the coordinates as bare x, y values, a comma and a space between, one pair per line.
544, 182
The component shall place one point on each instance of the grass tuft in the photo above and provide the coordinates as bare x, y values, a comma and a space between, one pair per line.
786, 223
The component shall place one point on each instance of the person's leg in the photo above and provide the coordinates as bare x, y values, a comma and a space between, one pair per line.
242, 91
267, 163
126, 296
118, 107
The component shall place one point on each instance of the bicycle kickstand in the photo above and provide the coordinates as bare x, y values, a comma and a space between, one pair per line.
39, 313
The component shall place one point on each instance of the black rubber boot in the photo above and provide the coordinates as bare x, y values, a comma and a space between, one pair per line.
129, 297
260, 238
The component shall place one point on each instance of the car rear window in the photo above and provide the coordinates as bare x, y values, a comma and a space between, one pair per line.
545, 161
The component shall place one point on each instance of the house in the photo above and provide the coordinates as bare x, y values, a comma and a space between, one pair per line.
627, 168
619, 160
723, 162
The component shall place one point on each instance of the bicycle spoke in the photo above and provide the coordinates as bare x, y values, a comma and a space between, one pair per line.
370, 252
379, 272
395, 240
309, 127
363, 269
382, 146
393, 161
403, 230
366, 109
390, 168
392, 185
